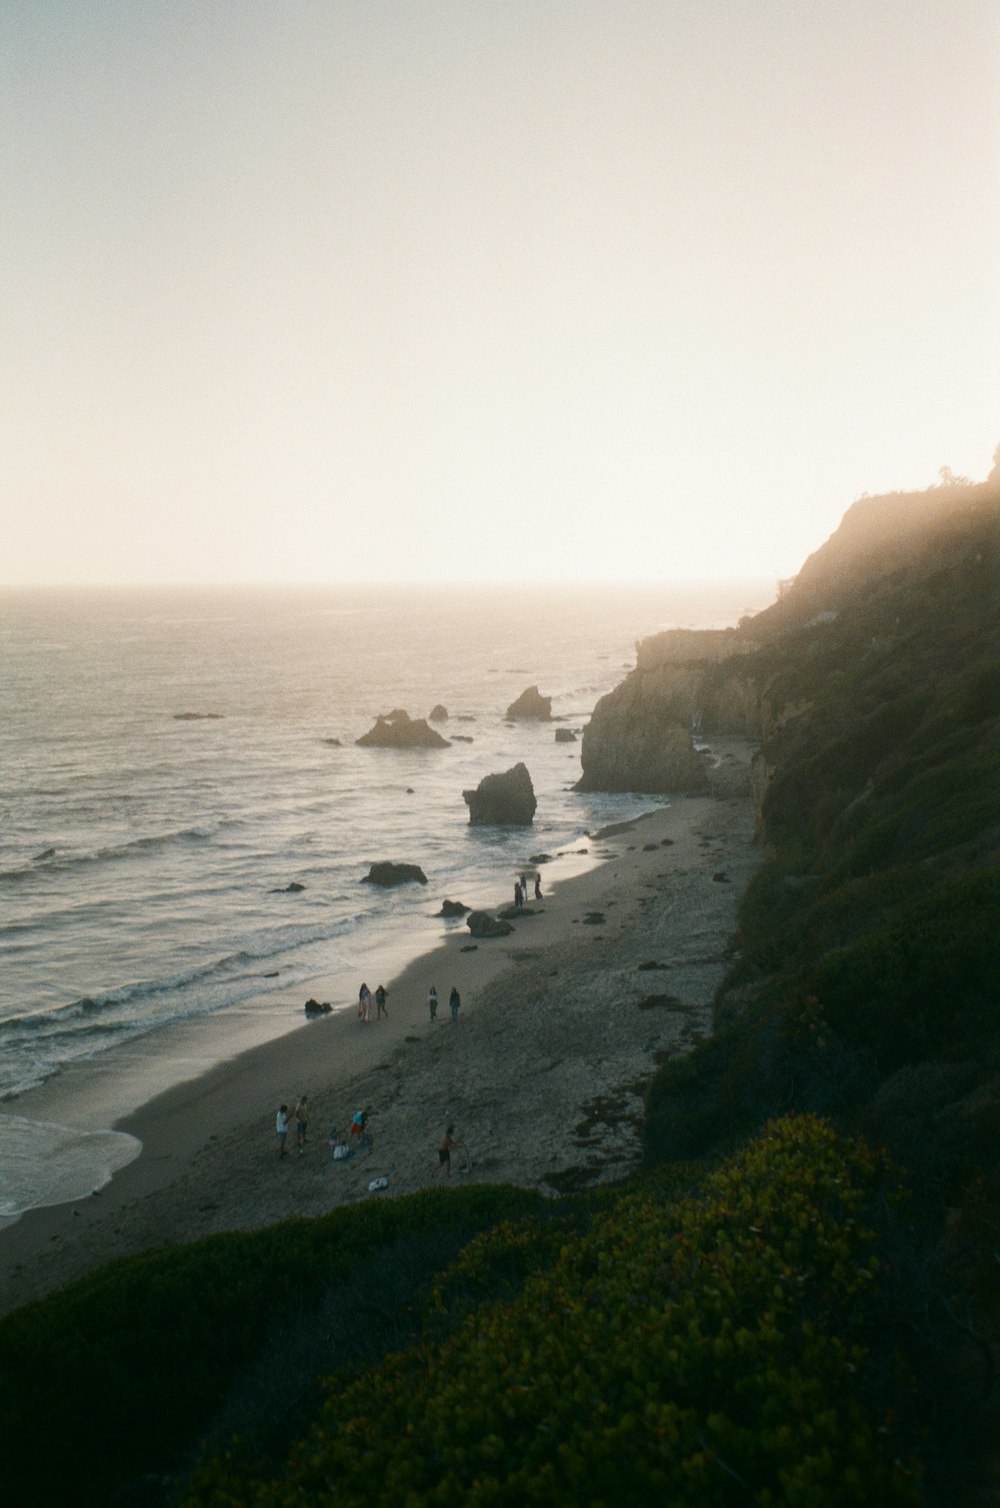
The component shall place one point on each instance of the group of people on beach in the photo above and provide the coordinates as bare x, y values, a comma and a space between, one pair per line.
359, 1134
521, 889
454, 1002
365, 999
300, 1115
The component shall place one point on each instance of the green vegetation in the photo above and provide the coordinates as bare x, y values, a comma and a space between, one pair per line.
760, 1316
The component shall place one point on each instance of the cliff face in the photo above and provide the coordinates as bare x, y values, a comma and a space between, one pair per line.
864, 987
906, 577
639, 737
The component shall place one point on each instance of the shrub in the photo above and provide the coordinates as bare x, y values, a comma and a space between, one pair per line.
713, 1352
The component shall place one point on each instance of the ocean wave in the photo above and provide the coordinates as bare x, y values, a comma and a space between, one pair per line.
57, 859
234, 969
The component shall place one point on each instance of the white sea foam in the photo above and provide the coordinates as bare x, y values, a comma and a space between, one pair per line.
43, 1164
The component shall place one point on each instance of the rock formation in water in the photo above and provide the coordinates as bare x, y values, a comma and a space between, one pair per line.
453, 908
398, 730
438, 714
507, 799
531, 704
387, 873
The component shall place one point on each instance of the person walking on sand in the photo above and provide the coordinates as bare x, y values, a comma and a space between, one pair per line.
538, 887
381, 1009
301, 1113
454, 1001
363, 995
446, 1146
281, 1126
432, 1002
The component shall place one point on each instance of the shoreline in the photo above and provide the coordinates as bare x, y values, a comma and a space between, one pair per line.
613, 971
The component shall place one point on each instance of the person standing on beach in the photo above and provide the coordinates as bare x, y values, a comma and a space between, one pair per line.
446, 1146
454, 1001
281, 1126
301, 1123
380, 1006
518, 897
432, 1002
538, 887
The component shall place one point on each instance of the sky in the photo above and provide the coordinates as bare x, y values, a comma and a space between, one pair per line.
486, 290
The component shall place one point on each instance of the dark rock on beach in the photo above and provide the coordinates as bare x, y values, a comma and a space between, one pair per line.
531, 704
453, 908
481, 924
398, 730
507, 799
315, 1008
565, 736
386, 873
438, 714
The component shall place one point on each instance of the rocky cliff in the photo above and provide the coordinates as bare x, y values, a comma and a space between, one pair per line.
855, 601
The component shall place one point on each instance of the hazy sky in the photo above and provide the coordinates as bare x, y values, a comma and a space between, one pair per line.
307, 290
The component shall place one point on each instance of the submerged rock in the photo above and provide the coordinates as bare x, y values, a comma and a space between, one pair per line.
507, 799
398, 730
453, 908
387, 873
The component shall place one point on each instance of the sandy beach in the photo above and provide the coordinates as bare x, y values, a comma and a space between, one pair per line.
562, 1024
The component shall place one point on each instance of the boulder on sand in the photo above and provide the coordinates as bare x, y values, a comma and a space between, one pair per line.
503, 800
531, 703
398, 730
387, 873
481, 924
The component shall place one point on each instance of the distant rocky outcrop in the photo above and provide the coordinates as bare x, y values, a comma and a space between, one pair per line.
481, 924
438, 714
531, 704
387, 873
507, 799
565, 736
197, 717
398, 730
318, 1008
292, 889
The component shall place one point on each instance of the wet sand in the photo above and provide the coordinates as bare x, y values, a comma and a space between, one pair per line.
562, 1025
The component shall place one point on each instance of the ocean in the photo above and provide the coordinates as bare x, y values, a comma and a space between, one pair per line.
173, 760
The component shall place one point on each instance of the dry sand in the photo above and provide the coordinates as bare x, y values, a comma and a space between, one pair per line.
562, 1025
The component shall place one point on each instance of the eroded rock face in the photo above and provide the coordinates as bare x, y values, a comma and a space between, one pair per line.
532, 704
398, 730
507, 799
387, 873
632, 744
